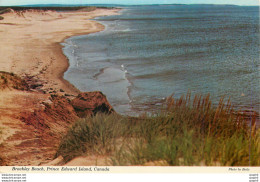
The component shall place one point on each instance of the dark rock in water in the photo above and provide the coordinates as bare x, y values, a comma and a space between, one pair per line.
90, 103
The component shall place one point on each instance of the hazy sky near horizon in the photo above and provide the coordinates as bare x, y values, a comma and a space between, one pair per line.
26, 2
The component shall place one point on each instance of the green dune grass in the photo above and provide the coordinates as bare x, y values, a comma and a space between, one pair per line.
186, 132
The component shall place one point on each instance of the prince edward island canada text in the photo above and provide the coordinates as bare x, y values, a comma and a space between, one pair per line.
58, 169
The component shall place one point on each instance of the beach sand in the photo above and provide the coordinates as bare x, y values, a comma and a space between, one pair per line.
30, 43
30, 47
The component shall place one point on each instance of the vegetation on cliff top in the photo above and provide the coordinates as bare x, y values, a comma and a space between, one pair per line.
54, 8
188, 132
5, 9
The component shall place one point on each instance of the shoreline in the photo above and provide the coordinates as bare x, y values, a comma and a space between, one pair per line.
67, 63
60, 47
48, 63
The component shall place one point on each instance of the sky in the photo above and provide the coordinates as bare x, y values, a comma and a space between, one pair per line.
27, 2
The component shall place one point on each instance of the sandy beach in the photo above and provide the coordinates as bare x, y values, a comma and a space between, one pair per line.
30, 43
30, 48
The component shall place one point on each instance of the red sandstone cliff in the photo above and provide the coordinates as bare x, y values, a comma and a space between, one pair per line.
34, 121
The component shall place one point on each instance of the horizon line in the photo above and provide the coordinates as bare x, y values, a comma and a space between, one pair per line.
115, 4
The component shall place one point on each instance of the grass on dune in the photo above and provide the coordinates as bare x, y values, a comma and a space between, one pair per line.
92, 135
187, 132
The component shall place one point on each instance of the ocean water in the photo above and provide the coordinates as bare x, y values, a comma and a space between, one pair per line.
147, 53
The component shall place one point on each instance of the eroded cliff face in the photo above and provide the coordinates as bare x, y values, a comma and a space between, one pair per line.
90, 103
60, 110
32, 121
